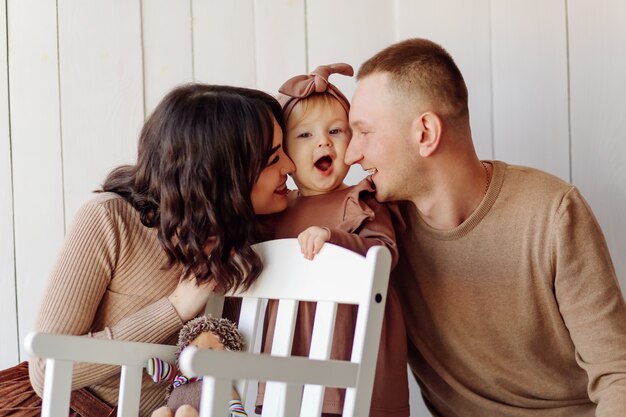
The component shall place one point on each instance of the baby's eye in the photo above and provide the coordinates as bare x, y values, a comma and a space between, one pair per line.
304, 135
335, 131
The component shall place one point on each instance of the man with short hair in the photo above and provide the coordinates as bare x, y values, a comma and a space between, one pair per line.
511, 301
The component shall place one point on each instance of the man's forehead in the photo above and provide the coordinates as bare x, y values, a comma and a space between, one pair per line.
369, 92
375, 86
376, 80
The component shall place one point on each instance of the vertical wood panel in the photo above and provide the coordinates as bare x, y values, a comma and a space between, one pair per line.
531, 121
8, 324
598, 100
101, 92
224, 42
350, 31
36, 146
167, 49
280, 42
469, 45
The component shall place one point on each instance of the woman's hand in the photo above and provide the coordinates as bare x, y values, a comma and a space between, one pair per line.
190, 299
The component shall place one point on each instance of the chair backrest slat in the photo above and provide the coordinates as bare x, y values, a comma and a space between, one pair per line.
215, 394
321, 343
248, 325
57, 388
290, 405
285, 325
323, 328
276, 397
130, 379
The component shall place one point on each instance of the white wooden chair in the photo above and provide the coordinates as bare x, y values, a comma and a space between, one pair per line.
295, 384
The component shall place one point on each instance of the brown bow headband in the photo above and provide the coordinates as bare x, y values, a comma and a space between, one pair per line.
302, 86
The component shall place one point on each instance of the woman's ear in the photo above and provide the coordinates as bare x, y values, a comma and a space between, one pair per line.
427, 128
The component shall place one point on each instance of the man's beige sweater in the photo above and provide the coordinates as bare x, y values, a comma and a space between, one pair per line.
516, 312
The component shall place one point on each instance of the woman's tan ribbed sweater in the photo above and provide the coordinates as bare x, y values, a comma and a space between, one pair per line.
517, 312
108, 284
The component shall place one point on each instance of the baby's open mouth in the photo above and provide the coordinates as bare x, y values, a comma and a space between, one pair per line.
324, 163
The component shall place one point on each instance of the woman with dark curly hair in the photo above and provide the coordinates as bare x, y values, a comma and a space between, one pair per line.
143, 256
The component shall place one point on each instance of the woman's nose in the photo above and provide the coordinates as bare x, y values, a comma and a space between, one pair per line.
288, 167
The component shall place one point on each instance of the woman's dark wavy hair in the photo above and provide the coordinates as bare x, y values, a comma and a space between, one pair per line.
200, 153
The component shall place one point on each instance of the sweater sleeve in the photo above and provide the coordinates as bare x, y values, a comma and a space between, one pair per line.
375, 229
591, 303
85, 267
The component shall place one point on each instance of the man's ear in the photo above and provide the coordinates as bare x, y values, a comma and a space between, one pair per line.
427, 128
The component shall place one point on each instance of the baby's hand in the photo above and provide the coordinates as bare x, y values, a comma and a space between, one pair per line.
312, 240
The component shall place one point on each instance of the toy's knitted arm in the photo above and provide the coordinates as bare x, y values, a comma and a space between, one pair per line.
159, 370
236, 409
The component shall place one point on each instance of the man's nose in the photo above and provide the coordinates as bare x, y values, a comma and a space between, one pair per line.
353, 152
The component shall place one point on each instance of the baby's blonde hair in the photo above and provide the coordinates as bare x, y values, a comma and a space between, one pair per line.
302, 107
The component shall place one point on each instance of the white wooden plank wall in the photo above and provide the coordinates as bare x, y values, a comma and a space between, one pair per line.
597, 36
529, 81
281, 41
167, 48
224, 42
78, 78
38, 200
8, 324
101, 78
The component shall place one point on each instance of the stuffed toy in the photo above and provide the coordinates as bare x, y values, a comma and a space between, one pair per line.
183, 395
